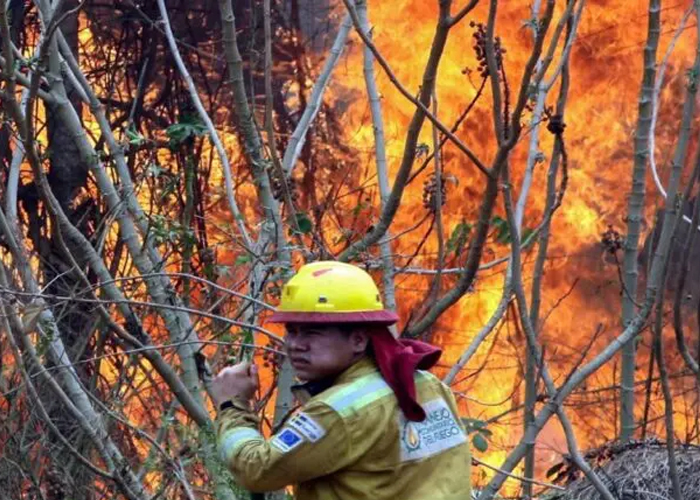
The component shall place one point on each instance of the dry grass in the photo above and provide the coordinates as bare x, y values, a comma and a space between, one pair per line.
634, 471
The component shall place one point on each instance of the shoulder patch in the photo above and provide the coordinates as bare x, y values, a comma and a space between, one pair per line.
287, 440
439, 432
307, 427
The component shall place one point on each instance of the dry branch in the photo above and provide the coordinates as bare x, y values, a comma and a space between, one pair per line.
380, 154
634, 214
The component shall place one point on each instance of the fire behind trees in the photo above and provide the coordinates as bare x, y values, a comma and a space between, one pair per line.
131, 241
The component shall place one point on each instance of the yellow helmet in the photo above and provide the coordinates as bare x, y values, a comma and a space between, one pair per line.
332, 292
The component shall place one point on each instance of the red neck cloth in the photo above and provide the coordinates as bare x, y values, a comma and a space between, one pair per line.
398, 360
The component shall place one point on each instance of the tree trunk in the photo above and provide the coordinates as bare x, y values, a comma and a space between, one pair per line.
67, 175
634, 220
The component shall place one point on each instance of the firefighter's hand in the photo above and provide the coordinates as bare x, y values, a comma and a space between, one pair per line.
235, 382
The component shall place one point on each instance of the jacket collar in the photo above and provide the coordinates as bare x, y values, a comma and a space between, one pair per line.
304, 392
361, 368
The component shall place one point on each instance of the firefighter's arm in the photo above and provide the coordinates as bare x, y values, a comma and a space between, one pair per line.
313, 443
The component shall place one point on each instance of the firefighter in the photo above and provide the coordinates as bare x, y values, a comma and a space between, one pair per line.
372, 424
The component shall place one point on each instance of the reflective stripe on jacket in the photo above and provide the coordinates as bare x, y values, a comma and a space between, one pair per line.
351, 442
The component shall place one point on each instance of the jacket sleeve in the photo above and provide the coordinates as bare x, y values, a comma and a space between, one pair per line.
314, 442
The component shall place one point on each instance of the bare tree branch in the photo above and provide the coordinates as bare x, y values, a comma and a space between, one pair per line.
463, 12
634, 214
380, 153
668, 397
296, 141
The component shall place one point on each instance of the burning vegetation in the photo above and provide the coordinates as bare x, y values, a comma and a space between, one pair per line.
521, 179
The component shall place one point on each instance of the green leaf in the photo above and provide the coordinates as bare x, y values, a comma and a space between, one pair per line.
135, 139
154, 170
247, 335
458, 237
480, 442
180, 132
474, 424
304, 223
485, 432
359, 208
502, 230
243, 259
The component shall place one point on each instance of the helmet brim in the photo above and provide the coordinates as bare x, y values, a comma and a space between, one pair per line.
382, 317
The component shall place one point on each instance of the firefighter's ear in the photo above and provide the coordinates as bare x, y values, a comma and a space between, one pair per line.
359, 339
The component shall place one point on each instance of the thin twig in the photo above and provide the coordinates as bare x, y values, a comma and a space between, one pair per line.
515, 476
436, 286
463, 12
668, 397
189, 310
190, 277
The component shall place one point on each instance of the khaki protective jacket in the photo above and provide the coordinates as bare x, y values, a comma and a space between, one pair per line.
352, 442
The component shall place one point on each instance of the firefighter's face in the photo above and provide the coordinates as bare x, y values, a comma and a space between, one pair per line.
320, 351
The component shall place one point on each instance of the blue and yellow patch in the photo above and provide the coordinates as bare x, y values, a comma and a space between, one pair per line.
287, 440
